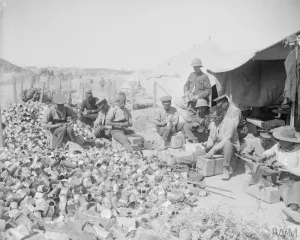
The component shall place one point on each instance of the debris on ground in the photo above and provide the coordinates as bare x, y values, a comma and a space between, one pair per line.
103, 193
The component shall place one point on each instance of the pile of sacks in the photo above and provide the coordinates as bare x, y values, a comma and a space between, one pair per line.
118, 190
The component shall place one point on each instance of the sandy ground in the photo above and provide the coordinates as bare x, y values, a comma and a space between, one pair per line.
246, 206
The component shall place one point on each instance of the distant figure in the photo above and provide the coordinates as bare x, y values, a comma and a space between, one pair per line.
89, 111
198, 84
119, 117
100, 128
197, 122
55, 119
166, 119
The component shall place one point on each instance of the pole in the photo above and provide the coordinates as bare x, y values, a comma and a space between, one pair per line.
48, 82
42, 92
70, 90
22, 84
154, 94
1, 130
15, 89
114, 89
132, 97
292, 120
82, 93
59, 84
109, 92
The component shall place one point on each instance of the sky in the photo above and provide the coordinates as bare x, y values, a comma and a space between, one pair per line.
136, 34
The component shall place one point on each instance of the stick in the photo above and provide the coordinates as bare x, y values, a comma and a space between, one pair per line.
70, 89
154, 94
42, 92
220, 194
109, 91
1, 130
59, 84
15, 89
205, 185
132, 97
22, 87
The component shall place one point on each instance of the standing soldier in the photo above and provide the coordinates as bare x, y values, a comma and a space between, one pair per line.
198, 84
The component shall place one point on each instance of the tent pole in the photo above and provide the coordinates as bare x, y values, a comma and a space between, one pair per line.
154, 94
292, 120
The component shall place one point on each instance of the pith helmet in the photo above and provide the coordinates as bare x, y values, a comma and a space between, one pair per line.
196, 62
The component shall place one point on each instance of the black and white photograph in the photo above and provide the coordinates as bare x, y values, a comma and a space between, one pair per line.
150, 119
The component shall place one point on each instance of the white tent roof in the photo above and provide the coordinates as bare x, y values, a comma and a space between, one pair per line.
173, 74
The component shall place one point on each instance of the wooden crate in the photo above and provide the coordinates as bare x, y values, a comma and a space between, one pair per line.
267, 194
209, 167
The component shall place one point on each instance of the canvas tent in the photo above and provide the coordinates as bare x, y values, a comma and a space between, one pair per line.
134, 79
253, 78
173, 74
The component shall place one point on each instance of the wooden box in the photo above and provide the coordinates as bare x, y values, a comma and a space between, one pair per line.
206, 166
219, 166
177, 141
267, 194
209, 167
135, 140
118, 146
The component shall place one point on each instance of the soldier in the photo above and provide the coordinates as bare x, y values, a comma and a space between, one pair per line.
100, 128
197, 122
198, 84
119, 117
89, 111
166, 119
55, 119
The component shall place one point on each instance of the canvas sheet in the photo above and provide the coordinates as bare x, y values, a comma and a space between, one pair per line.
254, 84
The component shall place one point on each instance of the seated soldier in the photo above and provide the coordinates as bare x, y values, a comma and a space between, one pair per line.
234, 113
88, 112
255, 147
223, 138
197, 122
166, 119
119, 117
100, 130
287, 156
55, 119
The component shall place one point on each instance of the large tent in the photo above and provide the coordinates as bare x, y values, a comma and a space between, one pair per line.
253, 78
173, 74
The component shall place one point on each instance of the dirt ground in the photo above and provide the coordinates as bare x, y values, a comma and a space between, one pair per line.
246, 206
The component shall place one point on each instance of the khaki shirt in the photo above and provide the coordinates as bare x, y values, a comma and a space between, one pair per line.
116, 114
162, 115
53, 113
225, 132
199, 85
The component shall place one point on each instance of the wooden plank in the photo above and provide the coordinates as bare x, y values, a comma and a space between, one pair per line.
109, 86
132, 98
22, 84
154, 94
70, 90
42, 93
1, 130
15, 90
